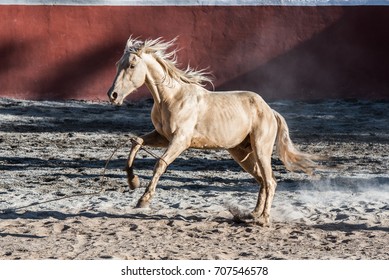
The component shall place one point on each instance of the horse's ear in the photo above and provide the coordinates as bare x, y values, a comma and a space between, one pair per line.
133, 45
140, 48
129, 44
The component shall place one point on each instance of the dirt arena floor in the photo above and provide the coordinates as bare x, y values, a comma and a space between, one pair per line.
53, 149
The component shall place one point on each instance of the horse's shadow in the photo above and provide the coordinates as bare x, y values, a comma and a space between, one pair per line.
41, 215
348, 228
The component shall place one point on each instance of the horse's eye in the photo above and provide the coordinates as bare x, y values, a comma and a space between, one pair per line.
132, 66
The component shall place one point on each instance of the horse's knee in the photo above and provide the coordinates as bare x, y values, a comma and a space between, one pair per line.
160, 167
137, 141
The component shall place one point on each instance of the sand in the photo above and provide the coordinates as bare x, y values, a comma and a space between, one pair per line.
53, 149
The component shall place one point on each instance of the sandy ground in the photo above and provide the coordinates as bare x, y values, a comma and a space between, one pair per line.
52, 149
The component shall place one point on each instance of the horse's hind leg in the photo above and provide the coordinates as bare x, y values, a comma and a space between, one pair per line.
153, 139
244, 156
262, 144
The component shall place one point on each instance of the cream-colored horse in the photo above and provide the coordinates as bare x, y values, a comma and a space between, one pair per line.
186, 115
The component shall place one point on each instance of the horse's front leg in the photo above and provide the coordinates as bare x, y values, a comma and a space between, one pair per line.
153, 139
133, 180
173, 151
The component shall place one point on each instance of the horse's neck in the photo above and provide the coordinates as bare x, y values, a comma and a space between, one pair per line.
162, 88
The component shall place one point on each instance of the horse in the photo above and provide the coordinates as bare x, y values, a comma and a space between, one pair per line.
187, 115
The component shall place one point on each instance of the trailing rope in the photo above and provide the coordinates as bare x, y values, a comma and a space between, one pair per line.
102, 177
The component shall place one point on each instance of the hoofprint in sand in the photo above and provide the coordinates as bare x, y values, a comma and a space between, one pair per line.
53, 149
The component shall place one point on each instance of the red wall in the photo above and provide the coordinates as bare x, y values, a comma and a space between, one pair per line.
60, 52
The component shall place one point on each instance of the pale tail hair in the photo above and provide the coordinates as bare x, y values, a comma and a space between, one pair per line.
293, 159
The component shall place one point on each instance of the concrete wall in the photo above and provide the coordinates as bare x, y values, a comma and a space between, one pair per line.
299, 52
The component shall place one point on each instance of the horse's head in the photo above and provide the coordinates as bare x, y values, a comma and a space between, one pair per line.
131, 73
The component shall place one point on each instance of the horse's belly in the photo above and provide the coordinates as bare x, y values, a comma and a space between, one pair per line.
203, 143
221, 129
221, 139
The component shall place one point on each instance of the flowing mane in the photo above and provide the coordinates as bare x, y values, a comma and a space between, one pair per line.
168, 60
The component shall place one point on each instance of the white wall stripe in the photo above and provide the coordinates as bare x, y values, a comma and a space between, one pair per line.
199, 2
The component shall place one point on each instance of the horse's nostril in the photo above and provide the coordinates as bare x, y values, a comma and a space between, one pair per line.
114, 95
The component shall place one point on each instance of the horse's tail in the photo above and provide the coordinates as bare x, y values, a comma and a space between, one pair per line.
292, 158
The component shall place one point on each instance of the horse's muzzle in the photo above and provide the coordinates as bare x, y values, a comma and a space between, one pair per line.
113, 96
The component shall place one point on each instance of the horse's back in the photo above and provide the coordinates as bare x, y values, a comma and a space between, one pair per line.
244, 103
226, 118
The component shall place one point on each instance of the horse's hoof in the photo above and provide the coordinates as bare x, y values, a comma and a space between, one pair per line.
263, 221
142, 204
134, 182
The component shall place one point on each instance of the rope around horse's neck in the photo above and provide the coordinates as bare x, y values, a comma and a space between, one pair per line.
102, 177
